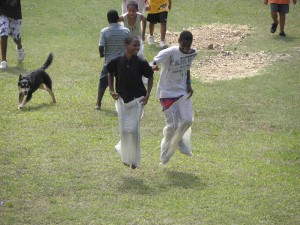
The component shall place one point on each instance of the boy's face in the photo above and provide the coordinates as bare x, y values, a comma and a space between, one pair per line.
131, 11
133, 47
185, 46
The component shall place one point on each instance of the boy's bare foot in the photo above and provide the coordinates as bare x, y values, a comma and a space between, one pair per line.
98, 107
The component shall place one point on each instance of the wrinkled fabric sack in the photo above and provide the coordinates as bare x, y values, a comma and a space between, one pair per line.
130, 115
177, 132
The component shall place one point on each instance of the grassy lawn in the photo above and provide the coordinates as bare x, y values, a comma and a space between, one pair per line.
58, 164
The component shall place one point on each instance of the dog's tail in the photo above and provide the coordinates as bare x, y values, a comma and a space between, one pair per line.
48, 62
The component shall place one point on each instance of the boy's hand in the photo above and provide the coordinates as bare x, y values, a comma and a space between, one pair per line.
114, 95
145, 100
190, 90
147, 8
295, 2
155, 68
266, 2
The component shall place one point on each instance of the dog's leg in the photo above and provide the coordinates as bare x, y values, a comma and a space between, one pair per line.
21, 99
46, 88
25, 100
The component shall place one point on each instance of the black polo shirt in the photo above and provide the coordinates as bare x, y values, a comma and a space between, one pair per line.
128, 74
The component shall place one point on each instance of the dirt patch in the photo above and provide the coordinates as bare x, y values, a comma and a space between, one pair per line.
229, 65
213, 36
225, 65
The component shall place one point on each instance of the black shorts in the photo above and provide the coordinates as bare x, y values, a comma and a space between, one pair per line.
281, 8
157, 17
103, 84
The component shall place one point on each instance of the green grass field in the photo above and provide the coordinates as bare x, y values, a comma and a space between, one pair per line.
58, 164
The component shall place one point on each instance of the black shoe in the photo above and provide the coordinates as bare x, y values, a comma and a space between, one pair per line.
274, 27
282, 34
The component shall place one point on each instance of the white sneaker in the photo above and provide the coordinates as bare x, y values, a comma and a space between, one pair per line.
163, 44
3, 65
21, 54
151, 40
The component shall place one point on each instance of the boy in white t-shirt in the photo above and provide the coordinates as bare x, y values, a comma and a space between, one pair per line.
174, 91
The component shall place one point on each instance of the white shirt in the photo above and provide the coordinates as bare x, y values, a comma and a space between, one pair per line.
173, 75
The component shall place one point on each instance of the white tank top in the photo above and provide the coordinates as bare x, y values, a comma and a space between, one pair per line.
136, 28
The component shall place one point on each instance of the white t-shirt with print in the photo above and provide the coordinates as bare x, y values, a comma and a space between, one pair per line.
173, 75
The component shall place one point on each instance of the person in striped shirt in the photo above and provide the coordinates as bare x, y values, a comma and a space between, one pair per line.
111, 45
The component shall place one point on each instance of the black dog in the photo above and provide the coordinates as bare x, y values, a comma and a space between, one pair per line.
33, 81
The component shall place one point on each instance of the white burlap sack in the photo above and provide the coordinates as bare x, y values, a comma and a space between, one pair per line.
130, 115
177, 132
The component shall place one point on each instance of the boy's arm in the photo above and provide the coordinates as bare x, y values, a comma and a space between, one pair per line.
101, 51
121, 19
189, 84
144, 21
110, 79
170, 5
149, 88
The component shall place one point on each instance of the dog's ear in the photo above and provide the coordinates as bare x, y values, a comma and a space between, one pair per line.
20, 77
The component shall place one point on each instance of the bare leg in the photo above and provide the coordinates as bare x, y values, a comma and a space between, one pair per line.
18, 43
4, 47
101, 92
274, 16
151, 28
163, 30
281, 21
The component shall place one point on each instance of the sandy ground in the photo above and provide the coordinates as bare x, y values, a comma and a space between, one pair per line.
224, 65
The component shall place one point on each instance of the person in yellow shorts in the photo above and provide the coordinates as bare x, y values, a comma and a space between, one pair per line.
280, 7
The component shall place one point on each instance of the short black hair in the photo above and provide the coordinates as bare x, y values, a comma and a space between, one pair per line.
112, 16
132, 3
186, 35
129, 39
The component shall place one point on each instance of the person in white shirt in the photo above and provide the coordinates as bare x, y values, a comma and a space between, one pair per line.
174, 91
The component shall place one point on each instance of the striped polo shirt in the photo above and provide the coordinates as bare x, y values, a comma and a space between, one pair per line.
112, 38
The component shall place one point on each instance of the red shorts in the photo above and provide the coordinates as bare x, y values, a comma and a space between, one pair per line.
168, 102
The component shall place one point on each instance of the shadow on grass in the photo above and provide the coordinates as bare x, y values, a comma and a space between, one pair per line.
17, 70
174, 179
28, 108
185, 180
107, 112
136, 185
286, 39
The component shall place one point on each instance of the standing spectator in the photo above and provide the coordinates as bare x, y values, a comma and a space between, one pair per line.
141, 6
10, 24
132, 19
174, 90
131, 95
158, 13
111, 45
280, 7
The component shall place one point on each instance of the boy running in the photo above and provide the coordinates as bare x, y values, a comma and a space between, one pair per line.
126, 86
174, 90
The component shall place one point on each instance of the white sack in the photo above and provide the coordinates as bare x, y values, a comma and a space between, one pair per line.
130, 115
177, 132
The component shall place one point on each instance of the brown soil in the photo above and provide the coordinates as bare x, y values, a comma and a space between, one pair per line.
224, 65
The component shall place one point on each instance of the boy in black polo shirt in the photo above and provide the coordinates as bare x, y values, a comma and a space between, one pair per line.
131, 95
